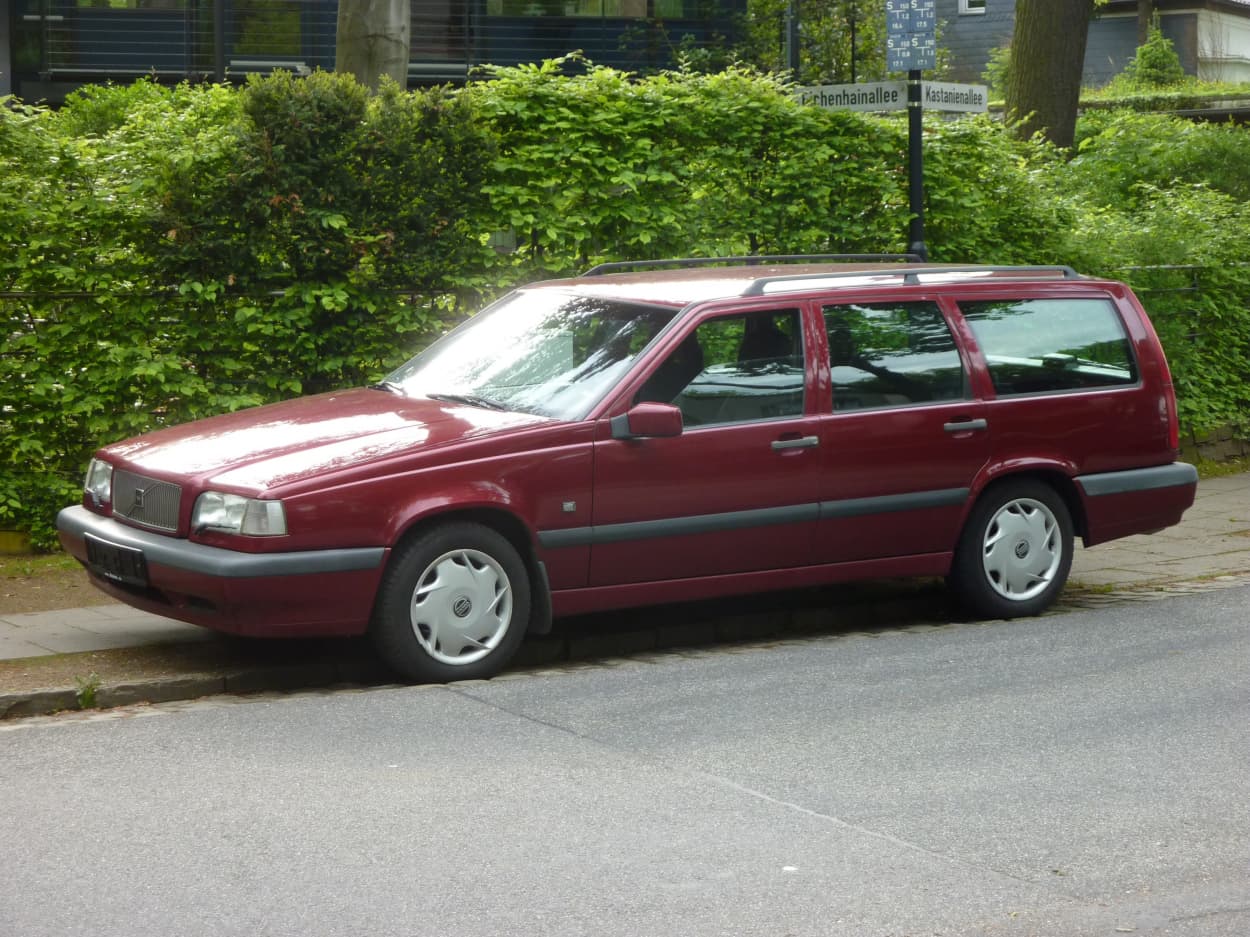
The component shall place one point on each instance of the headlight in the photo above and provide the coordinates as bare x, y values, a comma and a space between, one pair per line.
99, 482
217, 510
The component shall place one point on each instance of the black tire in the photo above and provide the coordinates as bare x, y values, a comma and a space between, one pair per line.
1015, 551
454, 604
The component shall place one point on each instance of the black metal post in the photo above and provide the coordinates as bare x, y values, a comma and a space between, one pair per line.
915, 164
854, 18
792, 38
219, 41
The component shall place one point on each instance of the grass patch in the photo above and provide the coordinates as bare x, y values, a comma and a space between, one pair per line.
1209, 469
30, 565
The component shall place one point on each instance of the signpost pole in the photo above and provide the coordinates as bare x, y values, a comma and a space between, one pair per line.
792, 38
915, 165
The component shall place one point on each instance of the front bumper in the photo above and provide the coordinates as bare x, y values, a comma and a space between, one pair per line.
302, 593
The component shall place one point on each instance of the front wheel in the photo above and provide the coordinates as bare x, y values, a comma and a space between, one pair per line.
1015, 552
454, 604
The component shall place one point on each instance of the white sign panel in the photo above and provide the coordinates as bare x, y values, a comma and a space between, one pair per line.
944, 96
867, 96
892, 96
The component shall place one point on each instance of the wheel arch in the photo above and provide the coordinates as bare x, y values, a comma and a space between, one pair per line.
1052, 476
513, 529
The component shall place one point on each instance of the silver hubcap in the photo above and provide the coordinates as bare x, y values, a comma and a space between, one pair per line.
461, 607
1022, 550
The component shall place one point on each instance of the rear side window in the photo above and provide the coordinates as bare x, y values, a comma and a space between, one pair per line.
1037, 346
891, 355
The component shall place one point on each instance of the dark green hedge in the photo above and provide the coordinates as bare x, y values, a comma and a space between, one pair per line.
170, 253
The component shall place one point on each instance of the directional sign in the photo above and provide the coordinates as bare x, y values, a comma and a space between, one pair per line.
892, 96
912, 52
945, 96
898, 16
911, 35
866, 96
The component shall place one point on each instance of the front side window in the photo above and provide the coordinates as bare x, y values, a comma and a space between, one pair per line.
541, 351
734, 369
1035, 346
891, 355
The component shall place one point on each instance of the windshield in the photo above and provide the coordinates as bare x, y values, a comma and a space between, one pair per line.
545, 351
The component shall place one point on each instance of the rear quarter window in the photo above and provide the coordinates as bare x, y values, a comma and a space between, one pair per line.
1039, 346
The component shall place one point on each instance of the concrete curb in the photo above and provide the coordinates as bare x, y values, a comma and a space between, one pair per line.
859, 608
586, 639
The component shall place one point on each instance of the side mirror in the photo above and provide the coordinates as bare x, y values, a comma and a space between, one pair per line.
647, 420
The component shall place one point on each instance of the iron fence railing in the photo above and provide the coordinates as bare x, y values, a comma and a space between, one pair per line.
229, 39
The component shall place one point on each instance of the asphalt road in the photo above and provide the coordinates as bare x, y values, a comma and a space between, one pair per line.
1081, 774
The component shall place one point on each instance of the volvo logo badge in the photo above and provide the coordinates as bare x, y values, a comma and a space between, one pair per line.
136, 502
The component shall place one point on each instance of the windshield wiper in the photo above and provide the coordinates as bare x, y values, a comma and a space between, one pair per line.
471, 399
390, 386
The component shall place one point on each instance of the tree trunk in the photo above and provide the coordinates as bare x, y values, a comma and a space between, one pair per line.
372, 40
1145, 13
1047, 58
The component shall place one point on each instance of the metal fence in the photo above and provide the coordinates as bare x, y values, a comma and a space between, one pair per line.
94, 40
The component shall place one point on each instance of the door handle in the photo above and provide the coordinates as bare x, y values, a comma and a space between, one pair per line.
964, 426
800, 442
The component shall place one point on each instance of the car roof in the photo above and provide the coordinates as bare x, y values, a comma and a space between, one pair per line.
682, 285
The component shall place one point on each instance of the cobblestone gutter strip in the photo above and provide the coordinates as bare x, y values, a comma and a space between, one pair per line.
870, 610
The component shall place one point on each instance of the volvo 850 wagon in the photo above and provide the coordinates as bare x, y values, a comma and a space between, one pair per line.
671, 433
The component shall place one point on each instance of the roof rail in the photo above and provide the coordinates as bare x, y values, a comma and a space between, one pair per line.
751, 259
910, 277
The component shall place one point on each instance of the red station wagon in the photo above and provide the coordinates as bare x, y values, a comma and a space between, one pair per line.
623, 439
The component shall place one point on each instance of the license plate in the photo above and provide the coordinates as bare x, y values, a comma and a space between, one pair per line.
121, 564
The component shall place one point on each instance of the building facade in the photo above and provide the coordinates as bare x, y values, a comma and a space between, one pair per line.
54, 46
1212, 37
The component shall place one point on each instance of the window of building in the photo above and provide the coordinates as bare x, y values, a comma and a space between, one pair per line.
131, 4
971, 6
891, 355
623, 9
1037, 346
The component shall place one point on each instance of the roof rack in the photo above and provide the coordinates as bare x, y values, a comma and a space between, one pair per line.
750, 259
910, 277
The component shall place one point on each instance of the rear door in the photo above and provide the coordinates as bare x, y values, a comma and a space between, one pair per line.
905, 437
736, 491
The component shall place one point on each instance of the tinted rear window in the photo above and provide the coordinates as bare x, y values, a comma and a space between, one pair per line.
1035, 346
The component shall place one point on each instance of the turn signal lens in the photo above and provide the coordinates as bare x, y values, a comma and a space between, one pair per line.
99, 482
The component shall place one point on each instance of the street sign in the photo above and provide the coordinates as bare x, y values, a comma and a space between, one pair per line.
867, 96
913, 52
946, 96
892, 96
911, 35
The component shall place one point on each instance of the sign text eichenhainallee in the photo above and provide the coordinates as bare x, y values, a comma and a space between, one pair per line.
892, 96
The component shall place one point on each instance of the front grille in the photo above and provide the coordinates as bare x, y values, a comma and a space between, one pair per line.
145, 500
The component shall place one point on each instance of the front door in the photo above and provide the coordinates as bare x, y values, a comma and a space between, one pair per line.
736, 491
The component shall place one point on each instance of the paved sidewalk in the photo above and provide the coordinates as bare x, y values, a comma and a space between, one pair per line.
1210, 546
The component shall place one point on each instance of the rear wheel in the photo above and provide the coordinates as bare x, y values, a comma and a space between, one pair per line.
453, 605
1015, 551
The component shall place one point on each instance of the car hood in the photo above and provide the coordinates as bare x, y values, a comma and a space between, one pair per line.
280, 443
